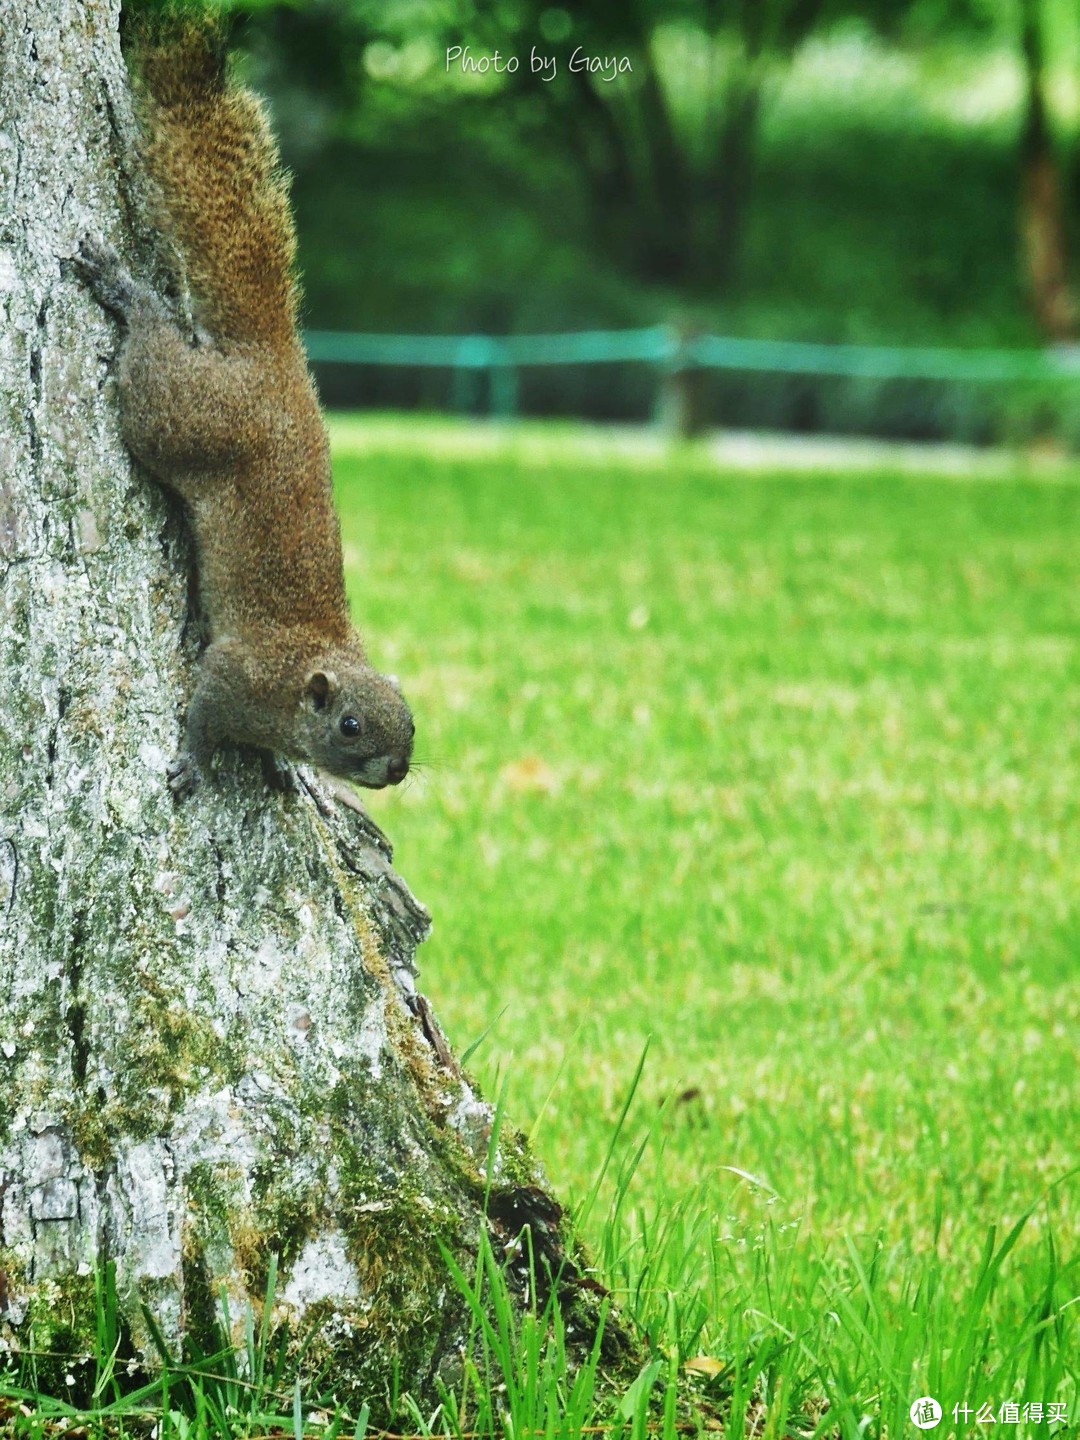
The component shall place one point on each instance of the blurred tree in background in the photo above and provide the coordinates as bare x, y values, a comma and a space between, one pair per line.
1042, 216
895, 171
1039, 26
666, 152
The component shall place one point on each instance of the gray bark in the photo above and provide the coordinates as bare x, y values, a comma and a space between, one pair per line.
212, 1049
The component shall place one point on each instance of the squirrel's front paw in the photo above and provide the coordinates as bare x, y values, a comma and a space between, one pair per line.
101, 269
278, 774
184, 775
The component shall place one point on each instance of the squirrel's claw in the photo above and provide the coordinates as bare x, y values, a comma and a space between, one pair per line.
184, 775
100, 268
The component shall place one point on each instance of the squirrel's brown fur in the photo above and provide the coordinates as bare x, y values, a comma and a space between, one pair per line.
230, 420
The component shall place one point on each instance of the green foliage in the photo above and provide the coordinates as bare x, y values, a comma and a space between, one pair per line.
824, 170
408, 159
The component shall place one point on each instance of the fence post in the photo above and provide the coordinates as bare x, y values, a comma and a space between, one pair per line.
503, 398
471, 358
676, 407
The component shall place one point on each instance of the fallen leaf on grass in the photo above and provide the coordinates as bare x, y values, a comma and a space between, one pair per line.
704, 1365
529, 773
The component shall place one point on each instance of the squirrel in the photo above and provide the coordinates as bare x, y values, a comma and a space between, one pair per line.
228, 418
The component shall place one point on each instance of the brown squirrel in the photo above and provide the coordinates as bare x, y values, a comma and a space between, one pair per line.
228, 418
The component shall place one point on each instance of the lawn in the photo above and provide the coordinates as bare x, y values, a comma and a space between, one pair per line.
778, 776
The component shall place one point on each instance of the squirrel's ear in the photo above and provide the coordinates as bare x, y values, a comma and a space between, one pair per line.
319, 686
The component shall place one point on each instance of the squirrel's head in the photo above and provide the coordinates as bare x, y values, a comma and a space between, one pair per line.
355, 723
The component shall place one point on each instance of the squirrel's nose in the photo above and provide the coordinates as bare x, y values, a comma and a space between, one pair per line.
397, 770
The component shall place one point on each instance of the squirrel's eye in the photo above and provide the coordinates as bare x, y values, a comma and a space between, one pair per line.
350, 726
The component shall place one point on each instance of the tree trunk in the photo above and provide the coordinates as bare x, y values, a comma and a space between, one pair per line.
212, 1049
1042, 219
731, 181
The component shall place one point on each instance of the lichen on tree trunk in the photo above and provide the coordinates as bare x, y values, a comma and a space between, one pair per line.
212, 1050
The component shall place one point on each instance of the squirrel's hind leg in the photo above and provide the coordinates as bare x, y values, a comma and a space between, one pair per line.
187, 409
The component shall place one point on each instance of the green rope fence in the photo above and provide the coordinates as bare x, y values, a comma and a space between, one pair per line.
676, 354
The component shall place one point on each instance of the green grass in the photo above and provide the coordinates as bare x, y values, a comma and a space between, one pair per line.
777, 775
781, 773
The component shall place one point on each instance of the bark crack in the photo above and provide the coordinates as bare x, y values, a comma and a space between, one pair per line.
76, 1006
219, 866
9, 873
36, 391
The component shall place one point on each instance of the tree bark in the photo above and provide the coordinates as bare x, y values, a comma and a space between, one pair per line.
212, 1049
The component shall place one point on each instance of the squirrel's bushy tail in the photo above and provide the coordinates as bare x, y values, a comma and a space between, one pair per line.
209, 149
